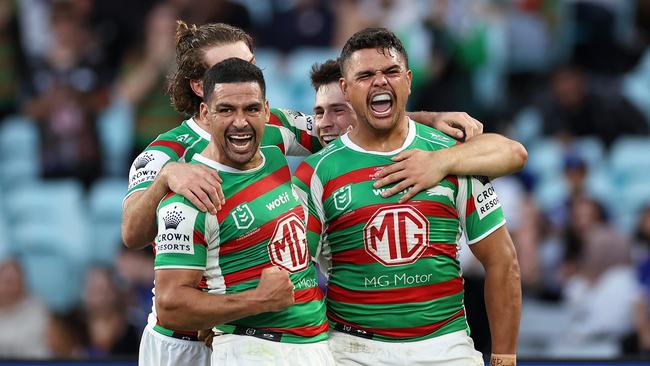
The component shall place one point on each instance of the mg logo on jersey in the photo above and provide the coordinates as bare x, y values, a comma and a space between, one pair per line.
288, 245
243, 216
342, 197
396, 235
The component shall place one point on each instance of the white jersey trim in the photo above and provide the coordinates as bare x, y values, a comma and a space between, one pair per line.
213, 275
198, 129
225, 168
410, 137
487, 233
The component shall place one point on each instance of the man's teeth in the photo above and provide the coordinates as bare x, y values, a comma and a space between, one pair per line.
241, 137
329, 138
381, 98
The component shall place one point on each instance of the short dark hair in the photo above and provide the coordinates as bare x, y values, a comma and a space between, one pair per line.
325, 73
191, 45
378, 38
232, 70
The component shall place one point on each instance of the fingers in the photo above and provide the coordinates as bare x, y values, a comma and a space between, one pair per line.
386, 171
397, 188
199, 192
403, 155
194, 199
411, 193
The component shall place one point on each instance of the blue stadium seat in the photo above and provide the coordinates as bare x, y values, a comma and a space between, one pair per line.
545, 159
45, 201
105, 206
19, 137
629, 158
551, 192
55, 279
298, 66
273, 65
636, 85
65, 238
115, 129
591, 149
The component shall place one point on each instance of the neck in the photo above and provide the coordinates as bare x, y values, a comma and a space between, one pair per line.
214, 153
201, 122
372, 139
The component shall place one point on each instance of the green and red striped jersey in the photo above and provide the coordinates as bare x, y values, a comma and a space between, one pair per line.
261, 225
293, 132
393, 268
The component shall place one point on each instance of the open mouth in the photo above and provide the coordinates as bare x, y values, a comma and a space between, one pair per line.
241, 142
329, 138
381, 104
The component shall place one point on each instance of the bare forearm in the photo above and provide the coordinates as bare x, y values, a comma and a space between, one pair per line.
191, 309
503, 302
488, 154
139, 215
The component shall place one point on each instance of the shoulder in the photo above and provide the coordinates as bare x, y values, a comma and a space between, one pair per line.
433, 137
172, 200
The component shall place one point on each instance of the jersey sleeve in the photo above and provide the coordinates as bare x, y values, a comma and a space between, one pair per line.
147, 165
478, 207
298, 131
180, 242
310, 191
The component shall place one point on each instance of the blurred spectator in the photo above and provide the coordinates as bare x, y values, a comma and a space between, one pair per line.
135, 268
67, 335
22, 317
9, 58
603, 283
213, 11
307, 23
66, 89
573, 109
105, 308
142, 82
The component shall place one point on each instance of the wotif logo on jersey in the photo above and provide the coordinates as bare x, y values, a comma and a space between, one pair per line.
342, 197
396, 235
288, 245
279, 201
243, 216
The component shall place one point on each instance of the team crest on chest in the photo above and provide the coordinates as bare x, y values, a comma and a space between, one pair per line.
243, 216
342, 197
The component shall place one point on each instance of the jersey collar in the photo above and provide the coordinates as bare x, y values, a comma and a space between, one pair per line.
196, 128
225, 168
410, 137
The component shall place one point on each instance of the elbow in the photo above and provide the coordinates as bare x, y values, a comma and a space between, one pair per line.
166, 311
129, 239
519, 154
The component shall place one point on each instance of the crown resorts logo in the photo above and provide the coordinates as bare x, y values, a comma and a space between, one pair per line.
143, 160
173, 219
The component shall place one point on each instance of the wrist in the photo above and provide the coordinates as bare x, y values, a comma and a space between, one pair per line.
503, 359
446, 159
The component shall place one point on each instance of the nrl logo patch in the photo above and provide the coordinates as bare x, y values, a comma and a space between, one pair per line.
342, 197
243, 216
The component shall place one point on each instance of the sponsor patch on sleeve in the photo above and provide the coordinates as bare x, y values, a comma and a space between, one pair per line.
299, 120
146, 167
485, 198
176, 229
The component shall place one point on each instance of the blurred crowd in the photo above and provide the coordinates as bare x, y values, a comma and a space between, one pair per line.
569, 79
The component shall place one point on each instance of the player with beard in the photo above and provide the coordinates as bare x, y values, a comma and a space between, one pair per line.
395, 290
246, 271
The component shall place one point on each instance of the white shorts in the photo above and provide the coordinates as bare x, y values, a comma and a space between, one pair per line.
453, 349
160, 350
240, 350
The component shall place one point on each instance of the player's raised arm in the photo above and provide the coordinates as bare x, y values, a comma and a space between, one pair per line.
298, 132
489, 154
459, 125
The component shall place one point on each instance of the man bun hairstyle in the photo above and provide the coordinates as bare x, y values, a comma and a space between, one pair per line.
232, 70
191, 44
378, 38
325, 73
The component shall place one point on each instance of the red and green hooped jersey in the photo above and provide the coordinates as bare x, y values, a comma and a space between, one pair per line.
262, 224
293, 132
393, 268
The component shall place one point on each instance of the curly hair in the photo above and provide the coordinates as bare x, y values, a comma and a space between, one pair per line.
191, 45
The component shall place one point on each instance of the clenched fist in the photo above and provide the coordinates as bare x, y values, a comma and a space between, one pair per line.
275, 289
